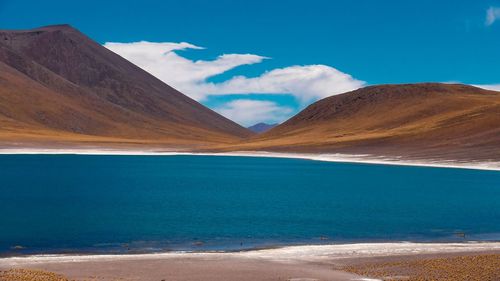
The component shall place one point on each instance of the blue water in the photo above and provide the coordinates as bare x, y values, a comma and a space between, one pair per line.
70, 203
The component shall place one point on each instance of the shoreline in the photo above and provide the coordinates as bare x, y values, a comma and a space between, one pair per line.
324, 246
302, 253
342, 262
324, 157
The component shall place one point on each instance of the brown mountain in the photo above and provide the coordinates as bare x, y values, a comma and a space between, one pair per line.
430, 120
56, 84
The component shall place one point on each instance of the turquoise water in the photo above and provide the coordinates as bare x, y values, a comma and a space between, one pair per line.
71, 203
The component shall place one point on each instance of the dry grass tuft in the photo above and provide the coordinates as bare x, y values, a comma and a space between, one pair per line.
30, 275
462, 268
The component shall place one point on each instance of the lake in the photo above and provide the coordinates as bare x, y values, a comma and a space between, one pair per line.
118, 204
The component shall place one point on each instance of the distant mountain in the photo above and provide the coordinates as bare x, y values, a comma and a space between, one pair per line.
56, 84
420, 121
262, 127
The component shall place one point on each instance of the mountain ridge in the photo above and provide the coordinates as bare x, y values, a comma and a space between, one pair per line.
262, 127
57, 86
106, 95
420, 121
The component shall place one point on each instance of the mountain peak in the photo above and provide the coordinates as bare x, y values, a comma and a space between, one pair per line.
57, 26
262, 127
54, 27
82, 88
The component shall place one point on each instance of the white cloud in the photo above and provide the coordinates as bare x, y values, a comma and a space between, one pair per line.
161, 60
492, 15
249, 112
307, 83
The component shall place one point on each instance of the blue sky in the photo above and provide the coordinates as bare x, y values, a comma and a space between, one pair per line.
311, 48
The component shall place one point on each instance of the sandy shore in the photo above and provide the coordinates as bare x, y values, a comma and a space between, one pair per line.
186, 269
298, 263
342, 158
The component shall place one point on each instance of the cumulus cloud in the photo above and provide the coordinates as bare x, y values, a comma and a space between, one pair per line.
492, 15
307, 83
161, 60
249, 112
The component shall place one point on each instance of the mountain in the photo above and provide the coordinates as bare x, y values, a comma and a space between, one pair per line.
58, 85
428, 121
261, 127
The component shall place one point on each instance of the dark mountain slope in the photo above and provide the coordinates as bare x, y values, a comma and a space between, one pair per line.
83, 88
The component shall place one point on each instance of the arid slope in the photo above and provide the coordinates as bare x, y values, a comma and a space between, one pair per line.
58, 87
56, 84
430, 120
